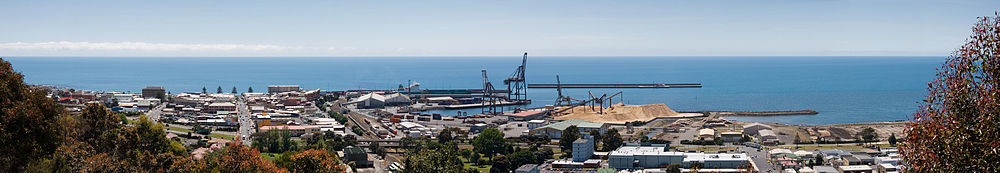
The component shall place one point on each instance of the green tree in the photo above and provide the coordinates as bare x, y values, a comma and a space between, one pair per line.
500, 164
673, 168
204, 90
444, 159
868, 135
957, 127
570, 134
445, 136
474, 157
234, 90
220, 90
250, 90
490, 142
612, 140
819, 160
522, 157
29, 122
892, 139
596, 135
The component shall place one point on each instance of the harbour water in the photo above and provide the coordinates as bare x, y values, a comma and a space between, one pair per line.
841, 89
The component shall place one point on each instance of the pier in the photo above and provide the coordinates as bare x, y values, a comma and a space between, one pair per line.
677, 85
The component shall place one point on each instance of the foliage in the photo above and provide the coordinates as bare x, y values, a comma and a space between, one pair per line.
596, 135
892, 139
330, 141
673, 168
377, 149
612, 140
490, 142
440, 160
234, 158
957, 130
819, 160
569, 135
867, 135
316, 161
274, 141
29, 122
500, 164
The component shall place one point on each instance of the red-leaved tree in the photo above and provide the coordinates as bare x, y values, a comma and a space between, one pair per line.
957, 129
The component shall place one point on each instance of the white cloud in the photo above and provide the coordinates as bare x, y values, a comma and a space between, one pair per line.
142, 46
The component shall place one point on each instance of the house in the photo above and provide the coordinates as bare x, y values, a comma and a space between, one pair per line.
554, 130
220, 106
644, 157
535, 124
825, 169
855, 169
356, 155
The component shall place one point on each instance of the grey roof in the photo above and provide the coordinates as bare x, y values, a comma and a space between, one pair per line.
527, 167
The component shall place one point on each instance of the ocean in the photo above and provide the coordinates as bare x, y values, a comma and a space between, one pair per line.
841, 89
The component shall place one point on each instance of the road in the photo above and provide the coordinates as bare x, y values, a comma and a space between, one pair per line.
246, 123
154, 114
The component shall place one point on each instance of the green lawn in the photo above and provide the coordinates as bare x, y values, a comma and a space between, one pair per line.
466, 165
270, 156
178, 129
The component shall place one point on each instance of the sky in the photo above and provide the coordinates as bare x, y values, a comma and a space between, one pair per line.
487, 28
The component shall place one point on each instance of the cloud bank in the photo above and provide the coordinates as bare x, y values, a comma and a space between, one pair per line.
142, 46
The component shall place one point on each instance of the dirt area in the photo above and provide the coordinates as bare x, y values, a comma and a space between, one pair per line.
786, 133
621, 113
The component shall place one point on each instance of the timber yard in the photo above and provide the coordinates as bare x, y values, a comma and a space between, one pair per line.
654, 135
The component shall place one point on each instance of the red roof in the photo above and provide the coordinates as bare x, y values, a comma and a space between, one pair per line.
526, 113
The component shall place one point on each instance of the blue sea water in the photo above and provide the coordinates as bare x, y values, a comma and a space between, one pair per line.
841, 89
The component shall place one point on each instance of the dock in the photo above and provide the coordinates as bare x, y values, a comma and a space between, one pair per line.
675, 85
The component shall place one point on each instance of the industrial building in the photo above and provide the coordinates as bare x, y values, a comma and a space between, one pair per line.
655, 156
369, 101
154, 92
554, 130
282, 88
583, 148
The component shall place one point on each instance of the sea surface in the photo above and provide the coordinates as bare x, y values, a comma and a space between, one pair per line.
841, 89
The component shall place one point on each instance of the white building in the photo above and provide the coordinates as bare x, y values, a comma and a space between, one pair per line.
370, 100
397, 99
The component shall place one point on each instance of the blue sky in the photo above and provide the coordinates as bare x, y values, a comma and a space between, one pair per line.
487, 28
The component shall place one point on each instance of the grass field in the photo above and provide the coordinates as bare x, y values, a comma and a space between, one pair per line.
178, 129
270, 156
213, 135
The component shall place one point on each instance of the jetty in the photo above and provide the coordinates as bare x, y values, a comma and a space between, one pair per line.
674, 85
762, 113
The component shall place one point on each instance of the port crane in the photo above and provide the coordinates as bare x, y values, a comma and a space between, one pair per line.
517, 88
490, 100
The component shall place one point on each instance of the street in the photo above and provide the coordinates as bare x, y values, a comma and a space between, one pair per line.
246, 123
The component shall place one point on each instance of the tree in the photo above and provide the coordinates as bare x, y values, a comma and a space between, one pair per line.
522, 157
673, 168
443, 159
956, 129
250, 90
220, 90
445, 136
570, 134
612, 140
29, 122
892, 139
596, 137
500, 164
490, 142
238, 158
316, 161
234, 90
204, 90
868, 135
378, 150
474, 157
819, 160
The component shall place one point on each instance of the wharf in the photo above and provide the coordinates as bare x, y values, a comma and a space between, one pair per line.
763, 113
677, 85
